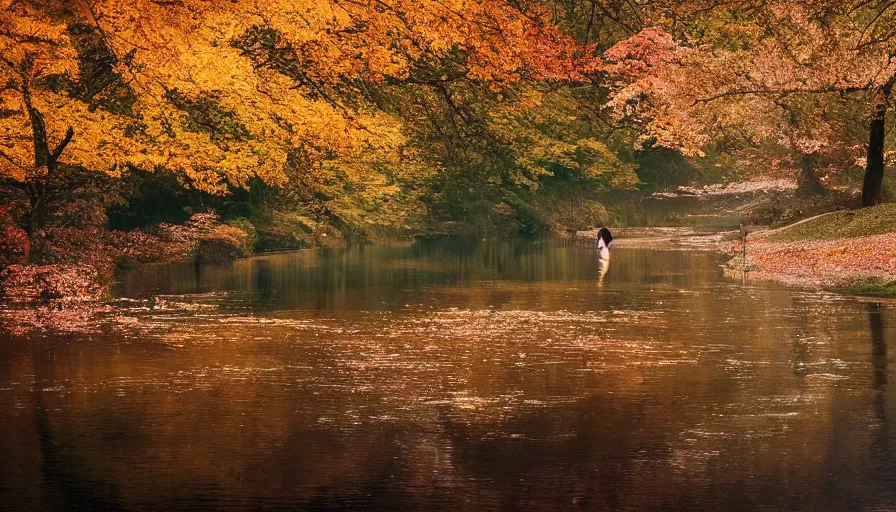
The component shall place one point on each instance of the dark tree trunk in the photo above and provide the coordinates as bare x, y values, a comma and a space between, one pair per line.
39, 186
35, 215
874, 172
36, 220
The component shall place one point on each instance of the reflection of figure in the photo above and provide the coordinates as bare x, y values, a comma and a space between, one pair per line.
604, 239
602, 266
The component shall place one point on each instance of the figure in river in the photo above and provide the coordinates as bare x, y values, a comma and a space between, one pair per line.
604, 240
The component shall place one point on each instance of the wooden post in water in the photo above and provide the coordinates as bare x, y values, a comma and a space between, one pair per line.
743, 244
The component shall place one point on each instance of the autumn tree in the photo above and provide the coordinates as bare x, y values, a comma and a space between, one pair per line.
31, 46
223, 92
506, 158
447, 90
51, 123
763, 71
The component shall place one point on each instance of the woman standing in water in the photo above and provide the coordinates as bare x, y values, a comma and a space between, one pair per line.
604, 239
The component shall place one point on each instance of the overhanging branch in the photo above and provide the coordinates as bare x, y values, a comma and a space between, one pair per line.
782, 92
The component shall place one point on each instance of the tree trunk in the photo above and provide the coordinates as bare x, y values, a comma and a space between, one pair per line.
35, 215
37, 219
874, 171
45, 157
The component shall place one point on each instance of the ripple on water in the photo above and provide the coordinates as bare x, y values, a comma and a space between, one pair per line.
506, 378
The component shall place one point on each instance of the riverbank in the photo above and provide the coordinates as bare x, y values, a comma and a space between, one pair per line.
849, 251
852, 251
680, 238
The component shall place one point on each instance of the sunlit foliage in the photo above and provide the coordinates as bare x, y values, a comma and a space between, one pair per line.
223, 92
800, 75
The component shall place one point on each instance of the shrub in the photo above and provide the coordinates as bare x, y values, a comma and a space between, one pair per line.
285, 230
51, 285
244, 225
14, 243
206, 239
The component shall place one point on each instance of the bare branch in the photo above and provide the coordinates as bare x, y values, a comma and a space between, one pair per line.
13, 161
69, 133
782, 92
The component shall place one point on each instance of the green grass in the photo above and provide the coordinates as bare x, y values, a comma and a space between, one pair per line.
875, 220
871, 288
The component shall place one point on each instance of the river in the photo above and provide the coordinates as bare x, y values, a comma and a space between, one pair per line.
461, 375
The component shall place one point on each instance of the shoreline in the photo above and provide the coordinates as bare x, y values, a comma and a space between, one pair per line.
849, 265
672, 238
854, 265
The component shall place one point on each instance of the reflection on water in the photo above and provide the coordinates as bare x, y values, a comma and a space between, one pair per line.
455, 375
603, 266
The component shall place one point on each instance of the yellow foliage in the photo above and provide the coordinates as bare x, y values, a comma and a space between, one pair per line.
187, 48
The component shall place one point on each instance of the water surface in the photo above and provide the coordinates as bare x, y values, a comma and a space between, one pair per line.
455, 375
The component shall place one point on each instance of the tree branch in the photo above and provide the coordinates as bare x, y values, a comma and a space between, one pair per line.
617, 20
782, 92
38, 128
69, 133
13, 161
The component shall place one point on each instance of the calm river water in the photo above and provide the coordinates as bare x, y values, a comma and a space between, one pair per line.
456, 375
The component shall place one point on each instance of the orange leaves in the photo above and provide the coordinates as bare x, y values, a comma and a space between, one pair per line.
829, 262
296, 84
652, 87
32, 43
771, 73
342, 39
648, 51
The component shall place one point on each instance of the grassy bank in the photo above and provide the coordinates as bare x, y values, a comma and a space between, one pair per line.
872, 288
876, 220
853, 251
